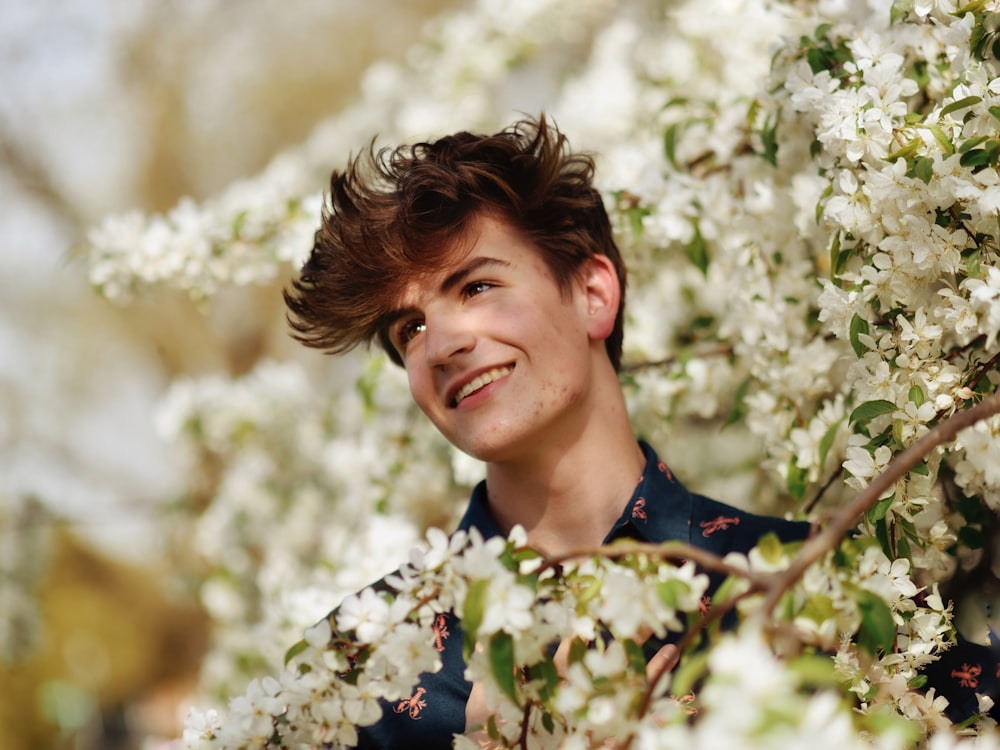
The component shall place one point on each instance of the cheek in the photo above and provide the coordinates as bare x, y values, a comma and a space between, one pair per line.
419, 387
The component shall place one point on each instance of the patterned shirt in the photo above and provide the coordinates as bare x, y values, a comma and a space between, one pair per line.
660, 510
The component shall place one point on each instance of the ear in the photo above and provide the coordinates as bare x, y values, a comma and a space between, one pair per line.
603, 295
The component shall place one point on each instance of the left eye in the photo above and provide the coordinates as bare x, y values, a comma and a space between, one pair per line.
476, 287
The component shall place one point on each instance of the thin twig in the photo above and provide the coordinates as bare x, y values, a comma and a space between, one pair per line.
846, 519
522, 740
715, 351
822, 491
982, 370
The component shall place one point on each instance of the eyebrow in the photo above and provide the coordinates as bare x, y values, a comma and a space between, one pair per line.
468, 269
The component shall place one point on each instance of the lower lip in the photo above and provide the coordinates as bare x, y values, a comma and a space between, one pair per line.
475, 399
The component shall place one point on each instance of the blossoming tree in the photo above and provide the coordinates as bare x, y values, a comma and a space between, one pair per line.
808, 197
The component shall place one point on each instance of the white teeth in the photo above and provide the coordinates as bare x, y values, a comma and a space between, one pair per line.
479, 381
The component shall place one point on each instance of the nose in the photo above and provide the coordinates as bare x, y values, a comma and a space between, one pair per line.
448, 335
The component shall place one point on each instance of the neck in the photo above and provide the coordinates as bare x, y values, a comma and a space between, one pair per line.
568, 495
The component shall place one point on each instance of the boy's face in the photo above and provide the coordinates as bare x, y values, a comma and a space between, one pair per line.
498, 357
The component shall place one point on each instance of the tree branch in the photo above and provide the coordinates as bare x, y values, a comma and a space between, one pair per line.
663, 551
844, 521
720, 350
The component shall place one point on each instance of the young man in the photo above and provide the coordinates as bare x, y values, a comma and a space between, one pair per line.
486, 266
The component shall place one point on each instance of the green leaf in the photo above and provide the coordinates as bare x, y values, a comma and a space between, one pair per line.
977, 157
636, 657
878, 441
877, 512
961, 104
545, 672
816, 59
973, 264
871, 409
916, 395
821, 207
923, 169
502, 663
670, 592
590, 590
972, 7
670, 144
295, 650
697, 250
818, 608
972, 143
992, 149
815, 670
878, 630
943, 140
367, 383
886, 722
577, 650
770, 548
903, 549
548, 722
917, 681
796, 479
472, 614
739, 403
691, 669
858, 326
910, 529
882, 534
905, 152
769, 141
725, 589
786, 606
635, 218
827, 442
834, 254
239, 222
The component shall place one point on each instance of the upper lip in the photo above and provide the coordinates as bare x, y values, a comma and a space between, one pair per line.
453, 390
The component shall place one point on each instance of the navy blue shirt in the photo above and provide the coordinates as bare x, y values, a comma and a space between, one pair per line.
660, 510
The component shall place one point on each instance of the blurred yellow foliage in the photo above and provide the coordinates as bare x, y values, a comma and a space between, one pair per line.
117, 648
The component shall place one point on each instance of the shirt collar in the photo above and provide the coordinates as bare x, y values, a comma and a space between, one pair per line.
659, 509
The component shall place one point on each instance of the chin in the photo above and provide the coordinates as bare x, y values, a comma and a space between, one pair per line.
496, 450
478, 451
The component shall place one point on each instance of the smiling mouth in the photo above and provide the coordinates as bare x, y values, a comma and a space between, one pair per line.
481, 381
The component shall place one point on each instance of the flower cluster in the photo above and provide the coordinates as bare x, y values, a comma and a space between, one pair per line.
266, 462
515, 605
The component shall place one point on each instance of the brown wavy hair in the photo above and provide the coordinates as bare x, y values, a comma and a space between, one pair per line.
394, 214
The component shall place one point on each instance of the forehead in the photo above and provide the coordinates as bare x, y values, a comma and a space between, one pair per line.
489, 244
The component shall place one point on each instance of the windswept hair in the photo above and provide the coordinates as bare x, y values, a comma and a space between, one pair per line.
394, 214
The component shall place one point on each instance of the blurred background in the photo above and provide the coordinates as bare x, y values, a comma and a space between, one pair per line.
108, 106
116, 610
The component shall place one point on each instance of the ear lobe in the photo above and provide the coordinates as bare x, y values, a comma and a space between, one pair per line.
603, 296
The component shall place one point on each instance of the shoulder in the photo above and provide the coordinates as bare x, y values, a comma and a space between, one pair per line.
724, 528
